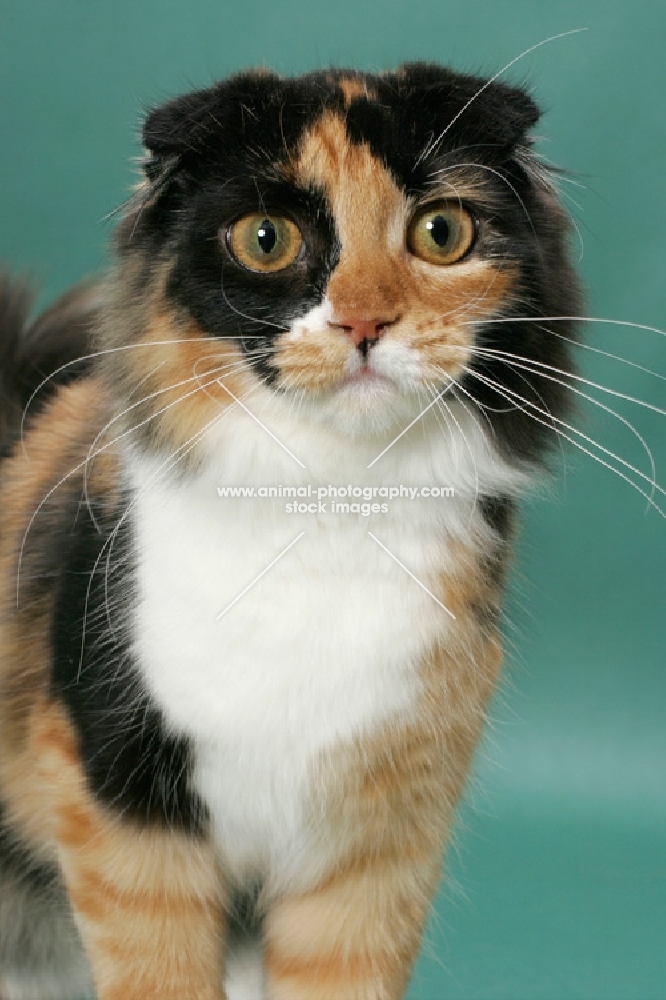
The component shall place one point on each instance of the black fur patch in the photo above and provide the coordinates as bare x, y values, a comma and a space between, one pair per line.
132, 763
223, 296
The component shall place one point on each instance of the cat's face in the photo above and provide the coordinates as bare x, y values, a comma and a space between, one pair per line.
351, 241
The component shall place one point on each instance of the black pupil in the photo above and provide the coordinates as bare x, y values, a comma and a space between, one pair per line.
439, 230
266, 236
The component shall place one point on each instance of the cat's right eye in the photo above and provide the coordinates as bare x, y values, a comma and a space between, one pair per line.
264, 243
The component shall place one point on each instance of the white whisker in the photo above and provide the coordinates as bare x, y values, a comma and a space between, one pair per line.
591, 399
598, 350
431, 146
118, 416
114, 350
572, 319
572, 375
81, 465
444, 404
512, 396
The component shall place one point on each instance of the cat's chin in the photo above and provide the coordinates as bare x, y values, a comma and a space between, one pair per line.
365, 407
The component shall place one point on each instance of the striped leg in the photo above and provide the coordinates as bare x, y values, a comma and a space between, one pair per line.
146, 901
353, 938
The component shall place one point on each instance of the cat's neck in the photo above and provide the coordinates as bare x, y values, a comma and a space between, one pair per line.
272, 445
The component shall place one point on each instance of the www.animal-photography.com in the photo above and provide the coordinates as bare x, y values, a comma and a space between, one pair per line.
332, 501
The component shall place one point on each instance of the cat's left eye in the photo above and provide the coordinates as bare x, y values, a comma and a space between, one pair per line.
441, 233
264, 242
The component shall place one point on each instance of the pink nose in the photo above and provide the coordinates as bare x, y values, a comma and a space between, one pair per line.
362, 330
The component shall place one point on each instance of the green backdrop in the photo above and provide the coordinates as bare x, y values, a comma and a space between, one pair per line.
557, 878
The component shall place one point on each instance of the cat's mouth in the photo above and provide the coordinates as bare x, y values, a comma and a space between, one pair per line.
366, 377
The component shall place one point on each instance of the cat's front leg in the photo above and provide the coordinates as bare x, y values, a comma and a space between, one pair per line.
146, 900
354, 937
381, 821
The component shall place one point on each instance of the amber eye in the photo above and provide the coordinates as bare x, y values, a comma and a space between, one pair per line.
264, 242
441, 233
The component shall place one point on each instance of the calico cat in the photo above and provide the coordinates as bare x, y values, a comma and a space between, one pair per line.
234, 729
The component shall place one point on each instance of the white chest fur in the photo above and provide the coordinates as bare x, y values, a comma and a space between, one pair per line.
320, 649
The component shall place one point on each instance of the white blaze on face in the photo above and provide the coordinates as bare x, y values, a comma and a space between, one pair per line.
311, 323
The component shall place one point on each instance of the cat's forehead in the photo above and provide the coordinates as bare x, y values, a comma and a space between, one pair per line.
366, 201
406, 119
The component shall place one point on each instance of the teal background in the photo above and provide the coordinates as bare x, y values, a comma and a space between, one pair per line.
557, 877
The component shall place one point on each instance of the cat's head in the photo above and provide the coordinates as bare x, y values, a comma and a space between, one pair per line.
354, 243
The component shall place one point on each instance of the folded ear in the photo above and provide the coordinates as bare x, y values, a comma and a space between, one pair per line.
516, 107
179, 125
178, 129
504, 113
465, 111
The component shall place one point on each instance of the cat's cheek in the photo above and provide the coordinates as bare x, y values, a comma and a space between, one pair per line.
443, 330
